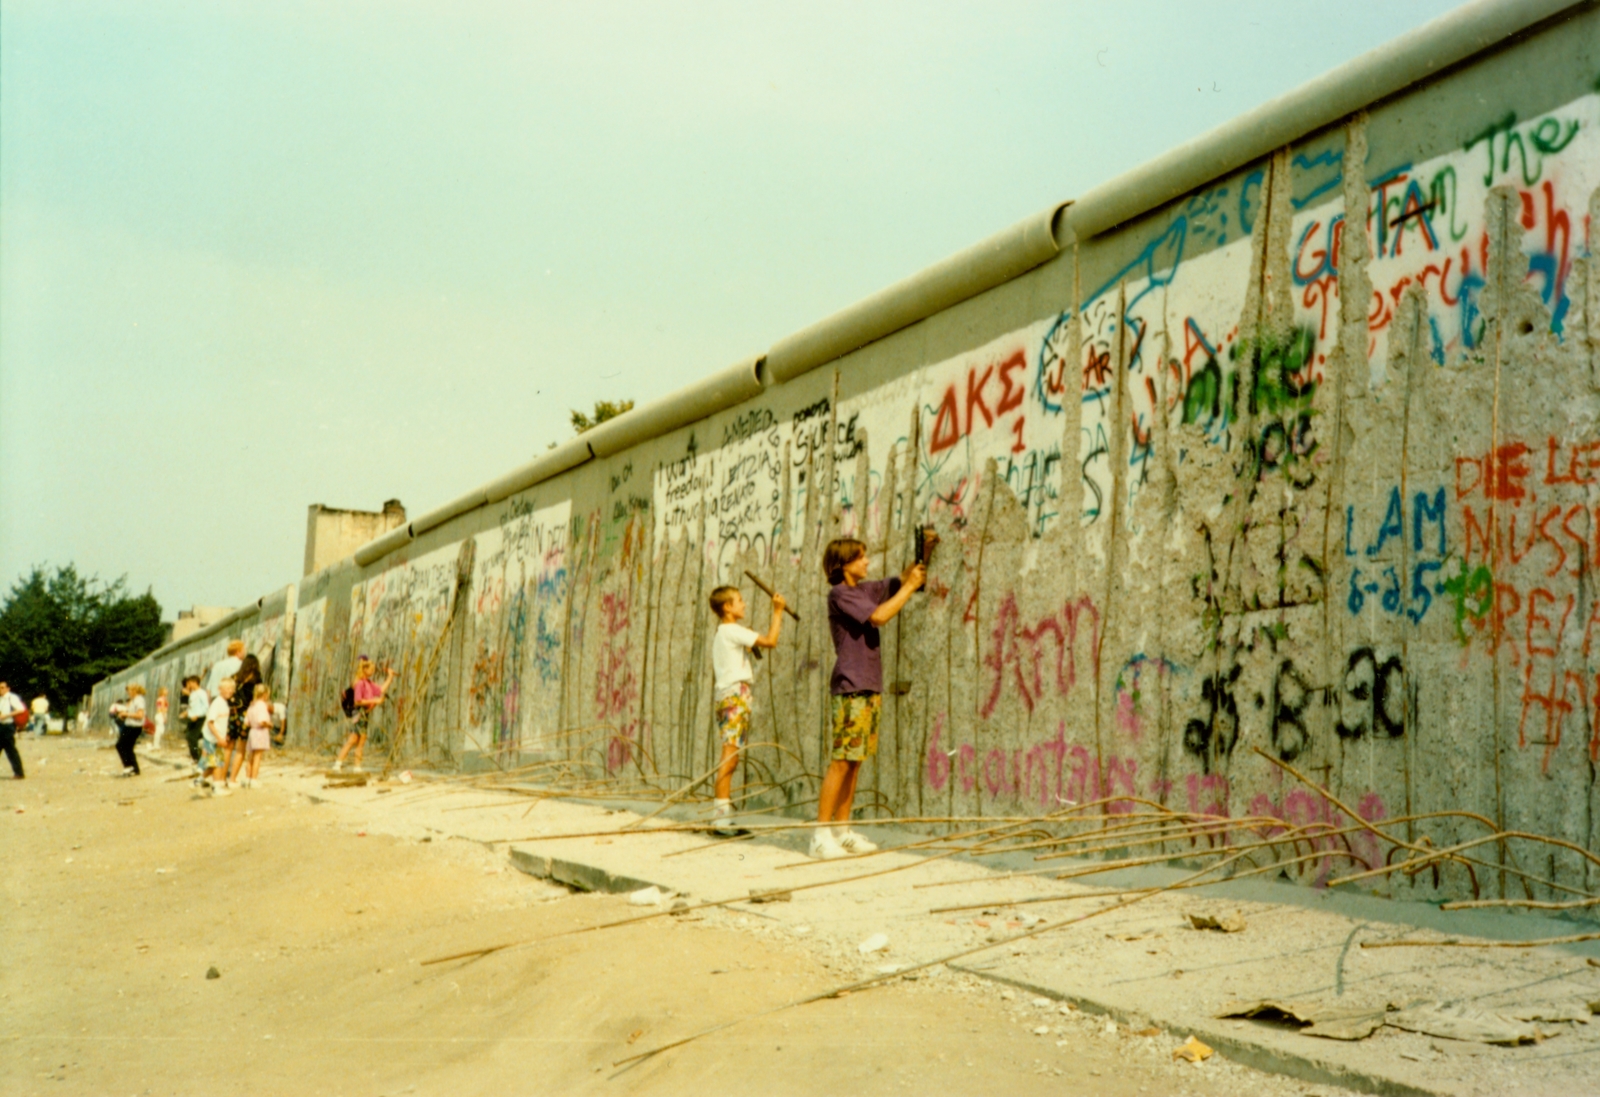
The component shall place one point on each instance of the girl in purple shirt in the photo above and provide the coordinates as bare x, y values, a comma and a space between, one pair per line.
857, 608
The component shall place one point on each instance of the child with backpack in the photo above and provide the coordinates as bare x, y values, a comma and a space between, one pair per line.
359, 700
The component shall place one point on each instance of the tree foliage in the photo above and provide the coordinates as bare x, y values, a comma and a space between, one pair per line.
61, 633
603, 410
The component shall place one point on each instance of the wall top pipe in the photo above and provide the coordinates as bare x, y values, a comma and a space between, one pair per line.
569, 454
984, 265
723, 389
1355, 85
382, 546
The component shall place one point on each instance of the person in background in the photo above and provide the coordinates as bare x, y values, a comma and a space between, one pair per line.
244, 692
226, 667
368, 696
213, 741
41, 716
258, 727
161, 715
195, 703
10, 706
130, 720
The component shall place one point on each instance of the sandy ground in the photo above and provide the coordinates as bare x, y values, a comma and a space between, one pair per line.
121, 894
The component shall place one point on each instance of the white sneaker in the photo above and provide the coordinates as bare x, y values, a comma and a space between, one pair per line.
722, 820
219, 790
824, 847
338, 766
852, 842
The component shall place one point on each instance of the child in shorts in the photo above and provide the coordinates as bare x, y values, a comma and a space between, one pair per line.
857, 608
732, 672
258, 728
213, 741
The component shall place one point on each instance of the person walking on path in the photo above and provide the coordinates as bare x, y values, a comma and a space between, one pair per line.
258, 728
857, 608
130, 720
10, 706
195, 701
366, 695
161, 715
41, 716
244, 691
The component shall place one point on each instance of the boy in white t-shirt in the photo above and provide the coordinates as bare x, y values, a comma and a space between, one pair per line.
730, 664
213, 762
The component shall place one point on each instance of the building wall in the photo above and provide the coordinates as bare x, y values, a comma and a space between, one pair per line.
1300, 467
332, 535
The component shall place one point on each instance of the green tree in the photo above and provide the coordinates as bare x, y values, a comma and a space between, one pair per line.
60, 633
603, 410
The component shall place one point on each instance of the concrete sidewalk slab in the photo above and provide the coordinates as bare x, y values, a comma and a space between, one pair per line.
1145, 966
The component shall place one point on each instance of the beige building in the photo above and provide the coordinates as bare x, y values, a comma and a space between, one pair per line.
332, 534
192, 620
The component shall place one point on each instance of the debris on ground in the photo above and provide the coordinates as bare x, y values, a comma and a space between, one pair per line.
1227, 923
1193, 1051
646, 897
876, 943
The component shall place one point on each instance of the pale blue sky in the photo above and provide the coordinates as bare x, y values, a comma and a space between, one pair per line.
255, 256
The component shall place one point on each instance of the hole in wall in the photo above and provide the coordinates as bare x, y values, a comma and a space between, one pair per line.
1526, 327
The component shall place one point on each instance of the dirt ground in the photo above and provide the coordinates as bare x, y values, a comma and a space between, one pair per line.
120, 894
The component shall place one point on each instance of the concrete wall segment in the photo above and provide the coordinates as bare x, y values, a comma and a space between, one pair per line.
1303, 461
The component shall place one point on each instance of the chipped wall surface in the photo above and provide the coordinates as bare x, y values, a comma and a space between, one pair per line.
1302, 467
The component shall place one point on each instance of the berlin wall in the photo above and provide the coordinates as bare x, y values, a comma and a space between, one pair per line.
1301, 463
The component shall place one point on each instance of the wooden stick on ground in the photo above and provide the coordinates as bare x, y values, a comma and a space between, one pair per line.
1453, 943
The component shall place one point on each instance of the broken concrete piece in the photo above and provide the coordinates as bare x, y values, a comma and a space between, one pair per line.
1227, 923
1193, 1051
876, 943
1462, 1022
645, 897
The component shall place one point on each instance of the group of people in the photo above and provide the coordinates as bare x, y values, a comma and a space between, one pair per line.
857, 608
230, 721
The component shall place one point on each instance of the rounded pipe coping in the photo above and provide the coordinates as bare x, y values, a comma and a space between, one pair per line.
380, 547
723, 389
569, 454
986, 264
438, 516
1314, 105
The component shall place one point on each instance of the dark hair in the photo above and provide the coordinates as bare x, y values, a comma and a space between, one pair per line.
844, 550
249, 671
195, 678
721, 597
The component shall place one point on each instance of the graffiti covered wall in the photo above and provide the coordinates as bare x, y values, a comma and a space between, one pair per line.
1299, 469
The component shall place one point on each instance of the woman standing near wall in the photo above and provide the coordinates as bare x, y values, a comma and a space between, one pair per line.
130, 722
245, 682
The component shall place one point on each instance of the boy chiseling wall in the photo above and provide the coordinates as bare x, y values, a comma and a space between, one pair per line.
730, 664
857, 608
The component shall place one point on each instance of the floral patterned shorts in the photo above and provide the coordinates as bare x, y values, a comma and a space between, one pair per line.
733, 715
855, 726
